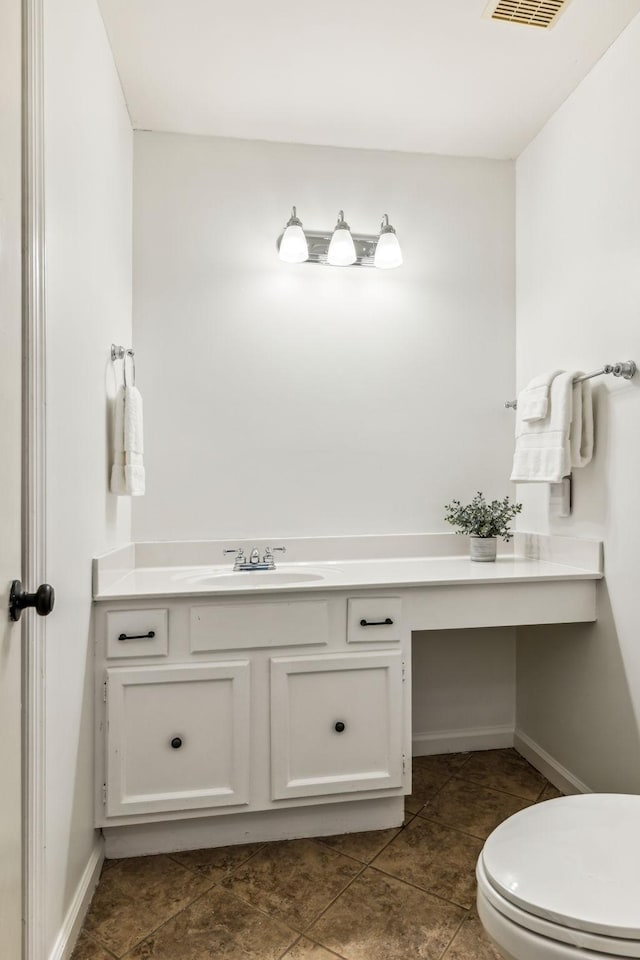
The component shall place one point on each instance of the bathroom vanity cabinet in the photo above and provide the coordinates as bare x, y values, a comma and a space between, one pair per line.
218, 705
234, 707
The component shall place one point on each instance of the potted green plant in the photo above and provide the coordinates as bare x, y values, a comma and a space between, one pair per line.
483, 522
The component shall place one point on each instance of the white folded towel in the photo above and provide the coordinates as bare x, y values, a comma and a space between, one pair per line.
533, 401
543, 449
127, 472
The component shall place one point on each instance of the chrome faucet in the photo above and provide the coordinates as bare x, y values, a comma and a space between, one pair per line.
254, 562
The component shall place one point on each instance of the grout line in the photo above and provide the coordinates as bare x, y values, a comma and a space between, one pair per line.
317, 943
416, 886
547, 784
96, 942
455, 829
430, 893
166, 920
537, 799
352, 856
469, 754
503, 793
296, 933
435, 794
270, 916
460, 925
201, 874
290, 947
331, 902
349, 856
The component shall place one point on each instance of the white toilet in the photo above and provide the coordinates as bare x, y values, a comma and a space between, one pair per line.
561, 880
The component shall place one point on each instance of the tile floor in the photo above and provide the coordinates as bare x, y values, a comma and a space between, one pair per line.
395, 894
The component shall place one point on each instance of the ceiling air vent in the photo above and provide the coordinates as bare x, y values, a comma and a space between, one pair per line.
531, 13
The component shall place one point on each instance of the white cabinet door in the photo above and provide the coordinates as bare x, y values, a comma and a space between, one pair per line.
336, 724
177, 737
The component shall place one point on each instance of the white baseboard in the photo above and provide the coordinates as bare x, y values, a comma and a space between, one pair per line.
554, 771
460, 741
72, 924
264, 825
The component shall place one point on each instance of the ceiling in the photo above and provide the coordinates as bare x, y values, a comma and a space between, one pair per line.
430, 76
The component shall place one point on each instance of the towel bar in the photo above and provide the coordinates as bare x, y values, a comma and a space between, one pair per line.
626, 369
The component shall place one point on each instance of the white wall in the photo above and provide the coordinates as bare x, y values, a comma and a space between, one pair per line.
464, 689
88, 183
290, 400
578, 306
285, 400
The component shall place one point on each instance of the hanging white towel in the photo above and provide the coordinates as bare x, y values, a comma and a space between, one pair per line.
543, 451
117, 484
533, 401
127, 472
581, 432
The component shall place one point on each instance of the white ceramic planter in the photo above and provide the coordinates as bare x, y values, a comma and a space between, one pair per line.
483, 549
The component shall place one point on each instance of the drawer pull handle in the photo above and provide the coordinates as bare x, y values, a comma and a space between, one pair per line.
339, 726
377, 623
176, 743
139, 636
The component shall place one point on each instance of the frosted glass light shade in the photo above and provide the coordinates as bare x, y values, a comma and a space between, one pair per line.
293, 246
388, 253
342, 252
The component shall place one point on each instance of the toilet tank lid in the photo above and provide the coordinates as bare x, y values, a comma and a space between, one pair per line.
574, 861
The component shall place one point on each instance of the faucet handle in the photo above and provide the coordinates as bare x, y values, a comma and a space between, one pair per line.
240, 557
269, 552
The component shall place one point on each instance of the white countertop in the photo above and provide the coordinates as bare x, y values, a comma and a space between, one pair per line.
150, 582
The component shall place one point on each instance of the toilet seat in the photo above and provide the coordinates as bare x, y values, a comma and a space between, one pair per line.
554, 932
569, 870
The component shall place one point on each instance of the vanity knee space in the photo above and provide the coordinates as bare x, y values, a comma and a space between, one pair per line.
231, 705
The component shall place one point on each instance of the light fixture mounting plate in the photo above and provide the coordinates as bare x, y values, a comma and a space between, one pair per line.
318, 244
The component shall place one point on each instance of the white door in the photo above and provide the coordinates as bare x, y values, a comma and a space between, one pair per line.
10, 497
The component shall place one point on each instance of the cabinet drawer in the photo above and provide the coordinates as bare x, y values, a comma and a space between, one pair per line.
128, 633
374, 620
177, 737
336, 724
233, 626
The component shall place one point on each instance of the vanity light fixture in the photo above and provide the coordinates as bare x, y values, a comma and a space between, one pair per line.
341, 252
388, 253
293, 246
339, 248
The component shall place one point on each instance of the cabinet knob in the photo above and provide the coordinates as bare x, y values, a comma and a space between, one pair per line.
176, 743
339, 726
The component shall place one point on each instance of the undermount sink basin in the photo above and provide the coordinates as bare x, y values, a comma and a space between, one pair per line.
256, 578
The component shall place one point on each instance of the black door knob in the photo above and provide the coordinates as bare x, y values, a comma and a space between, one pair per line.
339, 726
43, 600
176, 743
